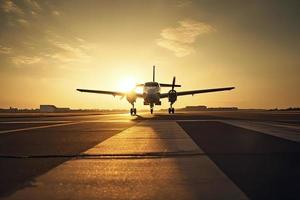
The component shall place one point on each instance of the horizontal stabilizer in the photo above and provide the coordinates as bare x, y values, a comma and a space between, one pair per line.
168, 85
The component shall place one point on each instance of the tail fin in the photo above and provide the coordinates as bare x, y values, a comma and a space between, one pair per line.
153, 73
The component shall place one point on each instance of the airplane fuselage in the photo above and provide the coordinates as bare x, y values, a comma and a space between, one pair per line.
151, 94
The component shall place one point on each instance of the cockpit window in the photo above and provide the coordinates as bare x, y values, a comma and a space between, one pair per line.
151, 84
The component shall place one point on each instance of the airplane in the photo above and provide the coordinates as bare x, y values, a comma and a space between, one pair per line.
151, 93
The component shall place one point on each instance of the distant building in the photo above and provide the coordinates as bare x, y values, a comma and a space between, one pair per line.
62, 109
223, 109
47, 108
12, 109
203, 108
52, 108
190, 108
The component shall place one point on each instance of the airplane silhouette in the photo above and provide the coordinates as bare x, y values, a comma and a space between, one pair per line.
151, 93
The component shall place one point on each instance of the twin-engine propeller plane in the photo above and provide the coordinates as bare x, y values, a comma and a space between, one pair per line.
151, 93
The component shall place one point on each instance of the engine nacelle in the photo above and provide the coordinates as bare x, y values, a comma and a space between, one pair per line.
172, 96
131, 96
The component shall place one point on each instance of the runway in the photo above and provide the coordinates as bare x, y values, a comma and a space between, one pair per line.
188, 155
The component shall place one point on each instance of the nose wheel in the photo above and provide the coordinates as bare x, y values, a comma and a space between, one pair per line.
151, 108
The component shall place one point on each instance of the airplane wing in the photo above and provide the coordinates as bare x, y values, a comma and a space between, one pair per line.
192, 92
114, 93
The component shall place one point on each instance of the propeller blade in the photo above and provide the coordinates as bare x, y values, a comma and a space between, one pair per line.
173, 84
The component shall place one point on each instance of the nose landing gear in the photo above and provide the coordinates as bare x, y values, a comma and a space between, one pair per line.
151, 108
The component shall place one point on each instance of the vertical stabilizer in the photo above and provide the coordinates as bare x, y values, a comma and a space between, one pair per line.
153, 73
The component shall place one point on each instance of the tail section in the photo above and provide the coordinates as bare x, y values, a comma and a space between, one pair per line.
173, 85
153, 73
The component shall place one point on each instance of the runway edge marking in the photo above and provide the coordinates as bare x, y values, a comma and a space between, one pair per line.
38, 127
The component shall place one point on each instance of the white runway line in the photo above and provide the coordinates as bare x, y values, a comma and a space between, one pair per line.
38, 127
33, 122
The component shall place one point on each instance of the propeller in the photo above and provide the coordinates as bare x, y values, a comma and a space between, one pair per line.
172, 92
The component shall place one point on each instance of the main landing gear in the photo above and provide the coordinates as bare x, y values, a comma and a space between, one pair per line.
171, 110
133, 110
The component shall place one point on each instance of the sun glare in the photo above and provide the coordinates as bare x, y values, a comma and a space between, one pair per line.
126, 84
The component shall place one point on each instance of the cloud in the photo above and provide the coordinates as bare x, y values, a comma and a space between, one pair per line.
5, 50
180, 38
187, 31
56, 52
55, 13
183, 3
69, 51
23, 22
33, 5
10, 7
25, 60
179, 49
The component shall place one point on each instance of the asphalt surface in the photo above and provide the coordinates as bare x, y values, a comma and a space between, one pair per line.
183, 156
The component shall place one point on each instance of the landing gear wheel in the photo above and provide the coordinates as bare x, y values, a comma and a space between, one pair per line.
151, 110
133, 111
171, 110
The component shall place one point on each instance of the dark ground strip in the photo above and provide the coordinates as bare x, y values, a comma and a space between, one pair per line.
234, 150
19, 173
231, 115
164, 154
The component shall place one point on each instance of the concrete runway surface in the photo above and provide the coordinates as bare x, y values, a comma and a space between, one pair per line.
188, 155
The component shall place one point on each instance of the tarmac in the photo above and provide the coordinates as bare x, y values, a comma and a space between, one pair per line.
187, 155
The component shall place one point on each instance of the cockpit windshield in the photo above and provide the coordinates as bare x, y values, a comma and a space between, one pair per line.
151, 84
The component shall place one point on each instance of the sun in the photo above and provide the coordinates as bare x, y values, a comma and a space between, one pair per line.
126, 84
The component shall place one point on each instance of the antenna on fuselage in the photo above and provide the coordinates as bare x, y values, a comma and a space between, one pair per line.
153, 73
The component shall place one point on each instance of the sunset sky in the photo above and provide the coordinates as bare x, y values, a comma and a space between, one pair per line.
50, 48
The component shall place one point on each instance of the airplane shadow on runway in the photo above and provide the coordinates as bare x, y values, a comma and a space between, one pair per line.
262, 166
177, 116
